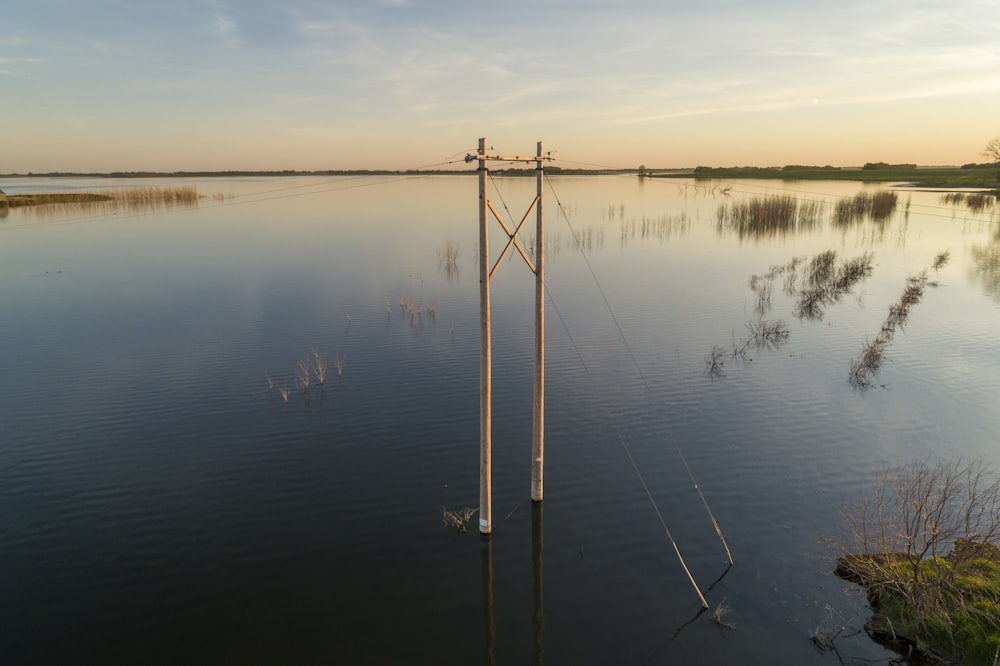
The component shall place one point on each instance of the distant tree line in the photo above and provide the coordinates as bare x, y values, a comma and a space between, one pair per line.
875, 166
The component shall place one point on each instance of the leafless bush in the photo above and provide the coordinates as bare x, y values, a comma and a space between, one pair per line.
907, 537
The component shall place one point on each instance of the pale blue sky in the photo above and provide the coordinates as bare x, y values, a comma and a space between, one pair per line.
101, 85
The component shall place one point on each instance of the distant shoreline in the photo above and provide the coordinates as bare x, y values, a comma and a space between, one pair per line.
981, 176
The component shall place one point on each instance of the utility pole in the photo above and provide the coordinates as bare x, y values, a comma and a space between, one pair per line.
485, 343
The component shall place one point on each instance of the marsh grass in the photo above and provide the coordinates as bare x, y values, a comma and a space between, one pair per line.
283, 392
877, 206
976, 202
122, 200
763, 217
339, 362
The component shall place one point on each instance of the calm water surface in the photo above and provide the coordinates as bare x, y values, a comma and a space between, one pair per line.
161, 503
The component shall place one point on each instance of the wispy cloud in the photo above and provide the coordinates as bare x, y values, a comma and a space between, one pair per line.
225, 28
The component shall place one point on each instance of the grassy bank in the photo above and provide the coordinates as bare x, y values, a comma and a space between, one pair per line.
923, 542
978, 176
941, 607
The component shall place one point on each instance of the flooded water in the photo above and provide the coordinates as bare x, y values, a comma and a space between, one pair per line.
160, 502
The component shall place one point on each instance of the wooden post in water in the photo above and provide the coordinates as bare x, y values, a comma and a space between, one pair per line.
485, 352
485, 356
538, 401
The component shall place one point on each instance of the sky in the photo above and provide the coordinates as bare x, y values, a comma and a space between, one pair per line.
132, 85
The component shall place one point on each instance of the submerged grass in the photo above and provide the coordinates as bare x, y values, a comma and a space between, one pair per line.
866, 366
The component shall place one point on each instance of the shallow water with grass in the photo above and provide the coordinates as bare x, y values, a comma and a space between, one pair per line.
161, 502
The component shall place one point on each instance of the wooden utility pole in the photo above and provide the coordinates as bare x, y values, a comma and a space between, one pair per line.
485, 349
538, 402
485, 355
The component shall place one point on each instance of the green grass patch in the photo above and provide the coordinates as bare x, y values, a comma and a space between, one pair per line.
948, 606
980, 176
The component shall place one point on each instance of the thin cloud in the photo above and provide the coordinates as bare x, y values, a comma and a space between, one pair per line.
225, 28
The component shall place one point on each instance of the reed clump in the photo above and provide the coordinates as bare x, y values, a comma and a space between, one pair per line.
319, 366
877, 206
459, 519
766, 217
977, 202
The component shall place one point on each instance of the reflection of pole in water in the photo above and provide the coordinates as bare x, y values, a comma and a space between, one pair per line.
489, 627
537, 558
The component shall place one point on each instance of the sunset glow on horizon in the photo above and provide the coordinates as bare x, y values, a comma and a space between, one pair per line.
402, 84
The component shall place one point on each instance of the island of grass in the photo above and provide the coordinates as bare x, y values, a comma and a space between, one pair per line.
923, 543
127, 198
22, 200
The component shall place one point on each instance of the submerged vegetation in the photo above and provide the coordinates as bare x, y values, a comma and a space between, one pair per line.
924, 544
866, 366
827, 283
815, 283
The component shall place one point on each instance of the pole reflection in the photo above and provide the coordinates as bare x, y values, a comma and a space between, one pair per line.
537, 560
489, 623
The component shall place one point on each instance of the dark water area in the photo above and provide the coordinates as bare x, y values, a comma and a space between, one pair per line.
161, 503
